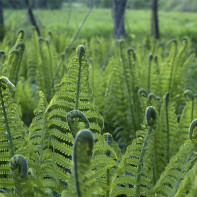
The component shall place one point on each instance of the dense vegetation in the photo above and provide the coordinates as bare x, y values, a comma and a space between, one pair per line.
99, 117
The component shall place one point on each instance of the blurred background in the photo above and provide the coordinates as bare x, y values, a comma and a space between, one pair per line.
67, 15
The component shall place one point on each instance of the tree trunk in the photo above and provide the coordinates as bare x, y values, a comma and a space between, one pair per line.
1, 22
119, 8
155, 21
32, 18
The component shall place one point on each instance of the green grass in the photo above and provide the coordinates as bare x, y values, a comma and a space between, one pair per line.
172, 24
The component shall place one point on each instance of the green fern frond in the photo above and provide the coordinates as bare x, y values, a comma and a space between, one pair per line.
178, 167
188, 187
18, 169
82, 183
188, 114
74, 93
169, 130
12, 130
135, 172
106, 158
167, 69
41, 157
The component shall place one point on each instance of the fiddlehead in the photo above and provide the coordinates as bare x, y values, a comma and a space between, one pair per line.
151, 117
18, 169
189, 95
18, 166
152, 96
81, 53
192, 130
76, 114
142, 92
82, 153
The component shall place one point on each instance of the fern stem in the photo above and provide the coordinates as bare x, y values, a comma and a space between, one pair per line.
81, 52
71, 43
140, 163
108, 138
149, 71
172, 66
50, 67
167, 126
53, 80
127, 84
108, 182
7, 125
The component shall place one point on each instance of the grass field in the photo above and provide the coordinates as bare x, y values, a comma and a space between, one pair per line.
137, 22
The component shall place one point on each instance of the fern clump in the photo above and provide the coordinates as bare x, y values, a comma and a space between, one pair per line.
134, 175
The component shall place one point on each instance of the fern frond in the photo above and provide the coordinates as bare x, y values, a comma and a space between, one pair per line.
12, 129
178, 167
135, 172
188, 114
188, 187
41, 158
106, 158
169, 128
73, 92
84, 183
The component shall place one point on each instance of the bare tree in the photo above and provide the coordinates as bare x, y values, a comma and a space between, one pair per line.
31, 16
119, 7
1, 21
155, 21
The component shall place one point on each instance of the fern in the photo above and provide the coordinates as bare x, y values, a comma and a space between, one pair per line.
18, 168
41, 160
188, 114
74, 92
84, 183
169, 129
12, 130
135, 172
11, 67
76, 114
178, 167
106, 158
187, 186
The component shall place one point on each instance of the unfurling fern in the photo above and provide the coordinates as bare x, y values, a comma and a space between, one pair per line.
73, 93
12, 130
178, 167
72, 125
11, 67
106, 157
18, 169
188, 114
82, 183
134, 175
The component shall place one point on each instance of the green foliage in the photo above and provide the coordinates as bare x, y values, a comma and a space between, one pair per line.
142, 150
